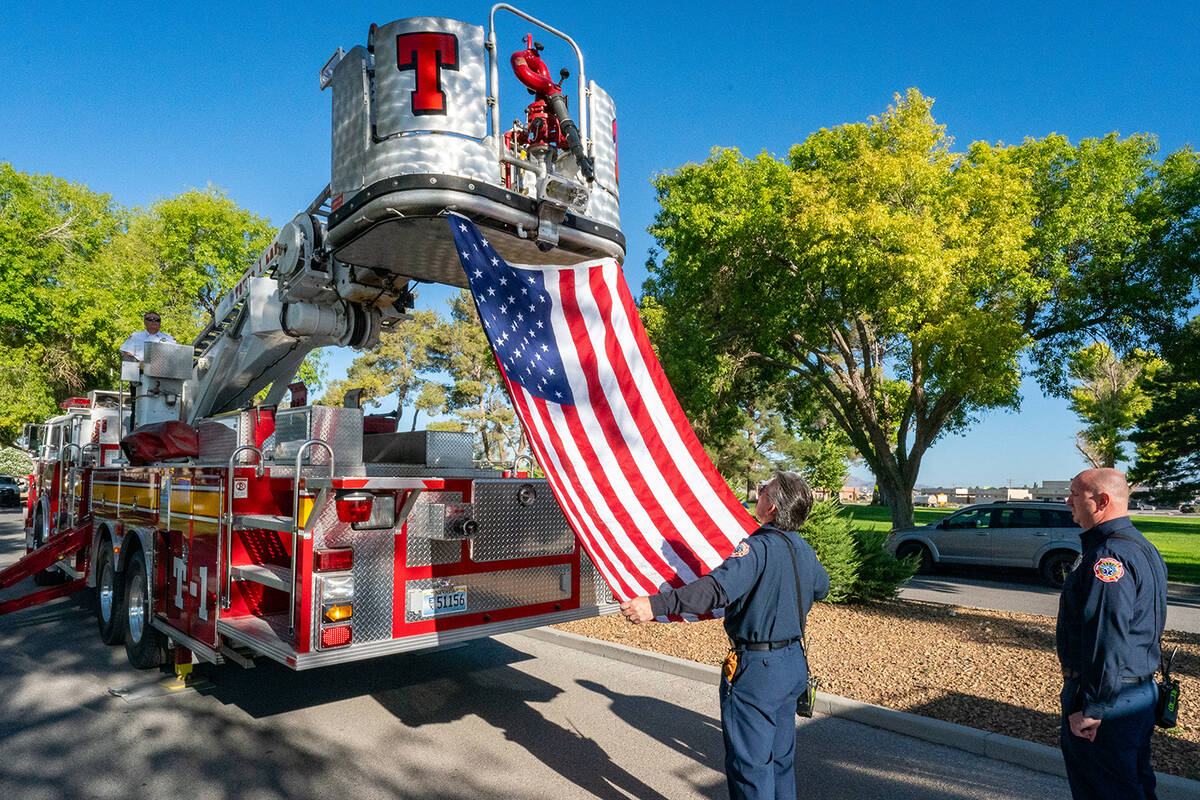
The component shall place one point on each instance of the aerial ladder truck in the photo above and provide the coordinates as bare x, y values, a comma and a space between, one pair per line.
213, 526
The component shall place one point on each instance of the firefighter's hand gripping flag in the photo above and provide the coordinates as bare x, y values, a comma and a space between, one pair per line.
620, 456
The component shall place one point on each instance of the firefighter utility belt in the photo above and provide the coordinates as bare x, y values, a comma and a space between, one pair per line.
777, 645
1074, 675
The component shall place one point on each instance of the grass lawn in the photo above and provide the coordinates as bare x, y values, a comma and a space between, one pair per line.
1177, 538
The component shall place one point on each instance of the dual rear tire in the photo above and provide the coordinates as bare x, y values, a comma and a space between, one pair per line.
123, 611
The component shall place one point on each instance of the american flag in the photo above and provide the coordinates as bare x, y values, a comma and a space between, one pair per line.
617, 450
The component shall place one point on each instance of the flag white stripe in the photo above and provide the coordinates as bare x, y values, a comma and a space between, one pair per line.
603, 532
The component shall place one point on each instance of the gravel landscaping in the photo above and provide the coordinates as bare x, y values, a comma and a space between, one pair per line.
992, 670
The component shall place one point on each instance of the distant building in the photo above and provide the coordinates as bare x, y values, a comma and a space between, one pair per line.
1053, 491
963, 496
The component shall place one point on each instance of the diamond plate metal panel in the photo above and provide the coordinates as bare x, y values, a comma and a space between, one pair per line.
351, 132
217, 438
456, 104
426, 542
441, 449
509, 528
492, 591
602, 122
168, 360
374, 573
341, 428
592, 588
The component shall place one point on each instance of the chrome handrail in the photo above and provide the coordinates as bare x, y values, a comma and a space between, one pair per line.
581, 105
296, 524
62, 481
228, 555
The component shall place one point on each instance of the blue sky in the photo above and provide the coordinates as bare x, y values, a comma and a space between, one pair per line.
146, 100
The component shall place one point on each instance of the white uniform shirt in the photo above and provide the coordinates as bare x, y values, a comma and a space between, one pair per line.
136, 344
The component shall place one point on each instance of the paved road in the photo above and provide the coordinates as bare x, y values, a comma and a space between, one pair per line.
510, 717
1017, 592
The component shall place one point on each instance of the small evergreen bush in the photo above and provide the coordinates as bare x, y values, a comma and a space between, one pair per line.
858, 566
831, 535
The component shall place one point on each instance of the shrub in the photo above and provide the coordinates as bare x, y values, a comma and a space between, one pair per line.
880, 573
858, 566
831, 535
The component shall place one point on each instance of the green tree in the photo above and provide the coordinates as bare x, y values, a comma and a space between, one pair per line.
1108, 396
902, 282
473, 391
764, 441
1168, 433
14, 462
183, 252
398, 365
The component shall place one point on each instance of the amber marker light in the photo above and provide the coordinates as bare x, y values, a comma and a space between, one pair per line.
337, 613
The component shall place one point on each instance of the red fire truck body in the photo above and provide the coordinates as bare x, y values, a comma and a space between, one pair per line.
216, 525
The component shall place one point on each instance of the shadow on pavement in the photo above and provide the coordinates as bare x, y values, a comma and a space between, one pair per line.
486, 687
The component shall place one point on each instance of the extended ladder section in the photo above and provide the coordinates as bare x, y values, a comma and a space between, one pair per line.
49, 554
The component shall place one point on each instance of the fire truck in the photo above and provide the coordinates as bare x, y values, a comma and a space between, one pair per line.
213, 521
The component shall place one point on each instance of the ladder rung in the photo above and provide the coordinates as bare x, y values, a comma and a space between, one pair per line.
267, 522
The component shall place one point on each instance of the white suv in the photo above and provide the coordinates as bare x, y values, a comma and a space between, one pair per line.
1041, 536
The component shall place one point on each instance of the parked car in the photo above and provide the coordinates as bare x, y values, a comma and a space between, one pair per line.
10, 492
1187, 508
1037, 535
1140, 505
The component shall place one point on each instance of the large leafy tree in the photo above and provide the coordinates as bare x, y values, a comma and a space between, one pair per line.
472, 389
55, 339
398, 366
186, 250
764, 441
902, 282
78, 272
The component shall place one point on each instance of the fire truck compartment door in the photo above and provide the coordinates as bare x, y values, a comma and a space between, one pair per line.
518, 519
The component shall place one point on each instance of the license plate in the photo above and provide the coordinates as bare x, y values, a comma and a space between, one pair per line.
439, 602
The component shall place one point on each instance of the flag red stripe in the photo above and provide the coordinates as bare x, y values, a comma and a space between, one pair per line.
592, 516
589, 527
611, 430
682, 427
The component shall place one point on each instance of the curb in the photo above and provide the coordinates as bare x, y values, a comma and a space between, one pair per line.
1037, 757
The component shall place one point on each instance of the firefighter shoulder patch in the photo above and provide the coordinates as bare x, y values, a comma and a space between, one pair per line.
742, 549
1109, 570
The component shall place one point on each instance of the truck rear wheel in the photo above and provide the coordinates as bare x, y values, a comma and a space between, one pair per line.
110, 597
144, 644
50, 576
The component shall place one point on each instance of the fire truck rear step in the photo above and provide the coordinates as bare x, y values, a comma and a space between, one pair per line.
267, 635
275, 577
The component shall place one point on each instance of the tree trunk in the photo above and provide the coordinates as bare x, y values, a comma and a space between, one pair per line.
901, 505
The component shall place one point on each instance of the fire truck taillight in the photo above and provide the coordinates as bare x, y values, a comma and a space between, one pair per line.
337, 590
354, 507
383, 513
333, 560
336, 636
337, 613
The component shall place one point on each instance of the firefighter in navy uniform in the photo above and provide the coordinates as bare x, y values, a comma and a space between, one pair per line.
1110, 619
766, 670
